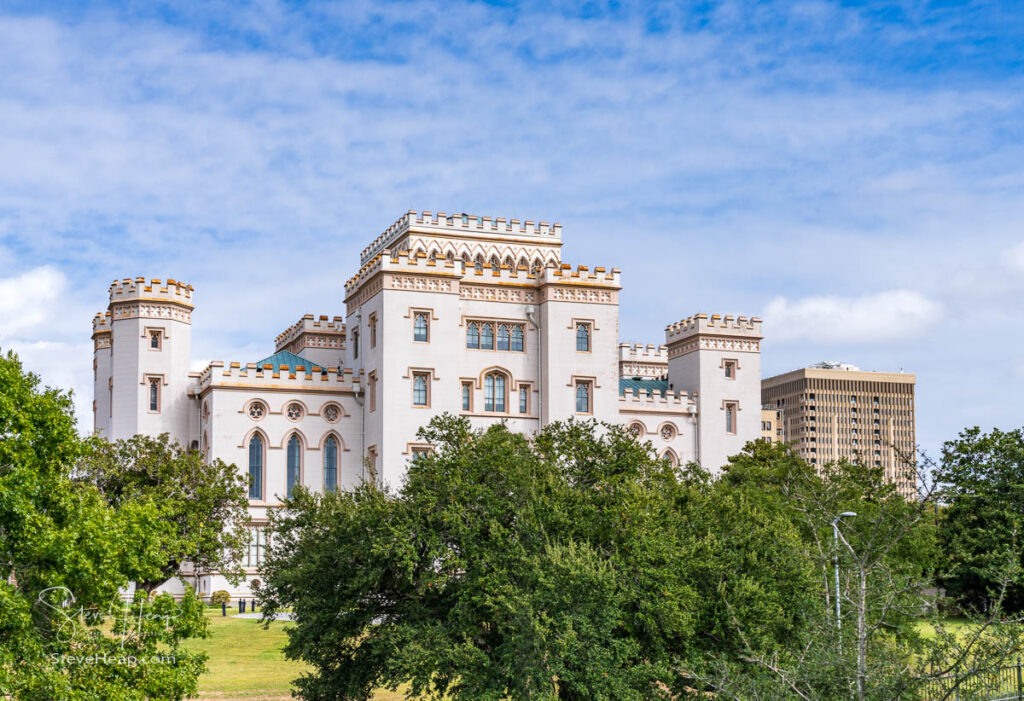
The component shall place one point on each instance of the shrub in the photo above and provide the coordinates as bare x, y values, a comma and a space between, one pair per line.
220, 597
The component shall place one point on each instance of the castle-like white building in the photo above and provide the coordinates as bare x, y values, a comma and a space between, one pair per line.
475, 316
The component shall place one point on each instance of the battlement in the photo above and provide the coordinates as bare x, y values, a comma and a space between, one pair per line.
676, 402
308, 324
648, 353
155, 289
101, 323
312, 376
582, 274
715, 324
463, 225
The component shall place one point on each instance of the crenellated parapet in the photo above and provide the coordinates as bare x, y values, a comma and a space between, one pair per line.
101, 330
717, 332
151, 298
312, 332
638, 402
639, 360
303, 378
464, 236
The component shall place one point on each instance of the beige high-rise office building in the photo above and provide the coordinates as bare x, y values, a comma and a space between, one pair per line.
832, 410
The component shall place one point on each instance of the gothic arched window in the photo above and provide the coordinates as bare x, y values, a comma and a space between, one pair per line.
503, 337
294, 462
479, 264
494, 392
487, 336
256, 467
582, 337
517, 338
583, 397
473, 335
330, 464
420, 328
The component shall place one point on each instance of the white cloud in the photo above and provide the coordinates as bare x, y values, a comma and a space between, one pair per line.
28, 301
1015, 256
876, 318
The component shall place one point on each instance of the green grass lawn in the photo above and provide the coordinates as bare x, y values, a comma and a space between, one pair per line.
247, 662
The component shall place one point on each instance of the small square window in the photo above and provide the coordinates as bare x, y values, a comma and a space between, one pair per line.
155, 340
730, 369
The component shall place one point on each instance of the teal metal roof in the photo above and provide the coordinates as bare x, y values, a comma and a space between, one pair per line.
646, 386
289, 359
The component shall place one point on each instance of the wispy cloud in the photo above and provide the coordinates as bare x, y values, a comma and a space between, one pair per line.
722, 154
876, 318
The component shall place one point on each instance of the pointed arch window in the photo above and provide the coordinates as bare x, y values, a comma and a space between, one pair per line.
494, 392
419, 389
503, 337
517, 338
421, 328
256, 467
582, 397
486, 337
494, 263
473, 335
523, 264
479, 264
294, 462
331, 464
583, 337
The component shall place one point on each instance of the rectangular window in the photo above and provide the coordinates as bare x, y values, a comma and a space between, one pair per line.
524, 399
583, 396
420, 389
583, 337
257, 546
373, 391
730, 369
420, 327
373, 331
467, 396
355, 343
154, 340
154, 395
730, 418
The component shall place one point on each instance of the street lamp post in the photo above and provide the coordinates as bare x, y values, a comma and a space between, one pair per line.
835, 538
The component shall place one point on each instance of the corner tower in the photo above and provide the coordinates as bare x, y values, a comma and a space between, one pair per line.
150, 324
719, 358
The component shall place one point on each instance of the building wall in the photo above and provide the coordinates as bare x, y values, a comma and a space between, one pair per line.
457, 271
831, 414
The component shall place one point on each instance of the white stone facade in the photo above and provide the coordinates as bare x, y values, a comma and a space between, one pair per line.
469, 315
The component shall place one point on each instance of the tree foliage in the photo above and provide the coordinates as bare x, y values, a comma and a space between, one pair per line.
982, 524
65, 553
574, 565
205, 503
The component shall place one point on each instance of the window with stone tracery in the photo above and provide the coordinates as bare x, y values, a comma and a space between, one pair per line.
332, 412
668, 432
257, 410
294, 411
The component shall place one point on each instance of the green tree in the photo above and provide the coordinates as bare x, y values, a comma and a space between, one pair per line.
64, 554
886, 556
204, 502
573, 565
982, 476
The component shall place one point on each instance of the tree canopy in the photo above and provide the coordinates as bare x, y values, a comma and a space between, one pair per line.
65, 555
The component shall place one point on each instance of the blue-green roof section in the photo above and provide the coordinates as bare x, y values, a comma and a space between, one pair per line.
288, 359
644, 386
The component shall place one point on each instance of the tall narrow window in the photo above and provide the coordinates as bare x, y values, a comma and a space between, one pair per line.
494, 392
479, 264
419, 389
730, 369
517, 338
373, 391
472, 335
154, 395
421, 331
467, 396
330, 464
582, 337
373, 331
294, 462
371, 464
355, 343
524, 399
503, 337
154, 340
256, 467
730, 417
487, 336
582, 397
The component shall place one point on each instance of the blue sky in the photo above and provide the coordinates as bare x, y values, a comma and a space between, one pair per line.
851, 172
